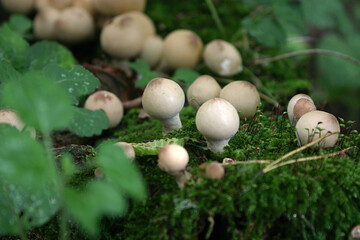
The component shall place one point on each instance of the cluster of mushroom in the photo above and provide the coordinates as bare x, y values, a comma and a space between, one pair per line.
311, 124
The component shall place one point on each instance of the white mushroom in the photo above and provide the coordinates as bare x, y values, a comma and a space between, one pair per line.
217, 120
18, 6
128, 149
115, 7
152, 50
163, 99
182, 49
108, 102
315, 124
8, 116
214, 170
222, 58
355, 233
295, 111
243, 96
202, 89
58, 4
44, 23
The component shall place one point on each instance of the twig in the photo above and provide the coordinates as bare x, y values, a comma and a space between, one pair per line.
134, 103
215, 16
307, 51
247, 162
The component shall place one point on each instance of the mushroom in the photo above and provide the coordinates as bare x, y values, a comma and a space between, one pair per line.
8, 116
163, 99
74, 25
315, 124
112, 8
355, 233
109, 103
298, 106
243, 96
217, 120
202, 89
85, 4
44, 23
18, 6
182, 49
128, 149
173, 160
145, 23
214, 170
58, 4
152, 50
222, 58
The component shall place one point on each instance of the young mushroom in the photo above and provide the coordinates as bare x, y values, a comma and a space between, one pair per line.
355, 233
173, 160
316, 124
163, 99
202, 89
109, 103
44, 23
217, 120
152, 50
298, 106
222, 58
214, 170
8, 116
128, 149
243, 96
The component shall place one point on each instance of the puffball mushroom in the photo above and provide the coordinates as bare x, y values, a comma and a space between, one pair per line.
243, 96
214, 170
128, 149
74, 25
108, 102
315, 124
18, 6
8, 116
298, 106
115, 7
202, 89
222, 58
217, 120
163, 99
173, 160
152, 50
355, 233
182, 49
58, 4
44, 24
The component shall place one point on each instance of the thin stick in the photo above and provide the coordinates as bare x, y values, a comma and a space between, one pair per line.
215, 16
307, 51
247, 162
134, 103
304, 159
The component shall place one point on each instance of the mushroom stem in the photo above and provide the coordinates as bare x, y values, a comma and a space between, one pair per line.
216, 145
170, 124
181, 177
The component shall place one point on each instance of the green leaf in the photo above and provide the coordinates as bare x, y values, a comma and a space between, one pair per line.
290, 17
152, 148
68, 165
13, 47
23, 209
96, 199
39, 101
144, 72
43, 53
8, 73
86, 123
266, 31
120, 171
185, 75
20, 24
78, 81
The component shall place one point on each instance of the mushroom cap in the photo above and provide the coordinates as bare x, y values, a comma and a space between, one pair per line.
355, 233
128, 149
243, 96
222, 58
146, 24
152, 50
303, 106
163, 98
74, 25
173, 158
115, 7
44, 23
202, 89
10, 117
88, 5
214, 170
108, 102
291, 105
217, 119
58, 4
309, 125
182, 49
123, 37
18, 6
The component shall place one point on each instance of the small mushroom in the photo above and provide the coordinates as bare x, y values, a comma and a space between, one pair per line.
18, 6
173, 160
109, 103
355, 233
243, 96
152, 50
182, 49
58, 4
44, 24
145, 23
128, 149
74, 25
217, 120
298, 106
214, 170
112, 8
88, 5
8, 116
163, 99
222, 58
202, 89
315, 124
